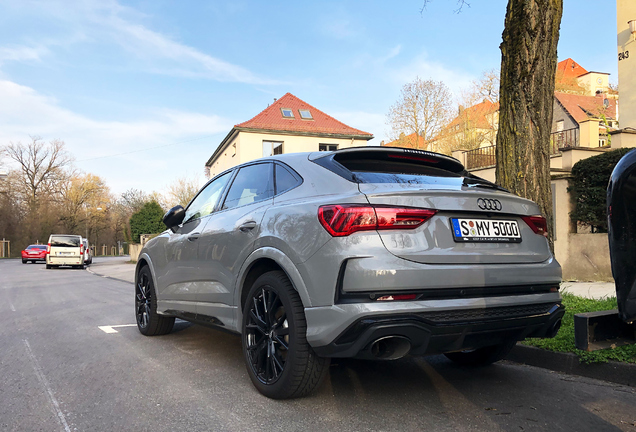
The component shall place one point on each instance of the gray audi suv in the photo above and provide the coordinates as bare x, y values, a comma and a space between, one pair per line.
370, 252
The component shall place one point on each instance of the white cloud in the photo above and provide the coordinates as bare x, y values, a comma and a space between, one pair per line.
365, 121
25, 112
21, 53
395, 51
424, 68
107, 22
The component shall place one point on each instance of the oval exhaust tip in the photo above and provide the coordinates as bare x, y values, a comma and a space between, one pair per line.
390, 347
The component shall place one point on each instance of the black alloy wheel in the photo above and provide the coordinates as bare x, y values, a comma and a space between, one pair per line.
267, 335
142, 301
149, 322
279, 360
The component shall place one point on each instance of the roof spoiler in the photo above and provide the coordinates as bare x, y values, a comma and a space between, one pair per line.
393, 153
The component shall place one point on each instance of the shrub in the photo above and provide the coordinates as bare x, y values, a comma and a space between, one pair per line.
588, 188
148, 220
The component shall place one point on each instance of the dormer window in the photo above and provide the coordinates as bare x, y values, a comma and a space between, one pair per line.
287, 112
305, 114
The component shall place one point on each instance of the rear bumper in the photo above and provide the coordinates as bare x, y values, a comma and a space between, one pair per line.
66, 260
437, 327
33, 258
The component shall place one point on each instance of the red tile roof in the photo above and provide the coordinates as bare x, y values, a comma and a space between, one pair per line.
413, 141
583, 107
568, 69
271, 119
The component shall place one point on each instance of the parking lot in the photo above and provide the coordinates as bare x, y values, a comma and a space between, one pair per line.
71, 359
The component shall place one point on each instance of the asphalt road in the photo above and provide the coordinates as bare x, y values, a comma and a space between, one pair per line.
60, 372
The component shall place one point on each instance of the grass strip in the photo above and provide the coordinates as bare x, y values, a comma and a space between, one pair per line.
564, 340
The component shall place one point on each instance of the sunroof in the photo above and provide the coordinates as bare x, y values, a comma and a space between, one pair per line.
287, 112
305, 114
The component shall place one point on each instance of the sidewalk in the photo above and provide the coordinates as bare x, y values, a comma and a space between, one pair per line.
119, 268
592, 290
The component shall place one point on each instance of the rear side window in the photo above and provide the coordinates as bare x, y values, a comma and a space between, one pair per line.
285, 180
253, 183
65, 241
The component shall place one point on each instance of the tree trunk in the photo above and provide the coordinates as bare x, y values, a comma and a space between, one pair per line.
528, 66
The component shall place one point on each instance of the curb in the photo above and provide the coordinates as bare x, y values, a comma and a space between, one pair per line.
568, 363
108, 277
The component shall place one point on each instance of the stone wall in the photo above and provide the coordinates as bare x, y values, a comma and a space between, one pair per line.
133, 250
587, 258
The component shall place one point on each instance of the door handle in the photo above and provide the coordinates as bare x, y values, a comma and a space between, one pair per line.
193, 236
247, 226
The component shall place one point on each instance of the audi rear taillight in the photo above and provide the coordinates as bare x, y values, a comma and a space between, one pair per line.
538, 224
345, 219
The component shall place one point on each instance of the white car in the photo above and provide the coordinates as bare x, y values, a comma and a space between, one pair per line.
88, 256
65, 250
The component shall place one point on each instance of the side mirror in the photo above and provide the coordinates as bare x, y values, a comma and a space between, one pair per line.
174, 217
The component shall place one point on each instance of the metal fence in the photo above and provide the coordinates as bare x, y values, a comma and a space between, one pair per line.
564, 139
484, 157
480, 157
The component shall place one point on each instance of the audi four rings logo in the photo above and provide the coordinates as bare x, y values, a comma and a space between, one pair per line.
489, 204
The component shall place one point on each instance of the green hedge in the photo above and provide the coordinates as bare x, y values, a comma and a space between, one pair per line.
148, 220
588, 188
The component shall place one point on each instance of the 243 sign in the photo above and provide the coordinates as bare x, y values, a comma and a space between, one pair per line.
623, 55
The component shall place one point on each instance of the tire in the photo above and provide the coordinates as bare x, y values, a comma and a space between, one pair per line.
48, 266
149, 322
293, 369
482, 356
24, 261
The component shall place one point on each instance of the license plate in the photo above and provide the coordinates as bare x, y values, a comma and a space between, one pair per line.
486, 230
65, 253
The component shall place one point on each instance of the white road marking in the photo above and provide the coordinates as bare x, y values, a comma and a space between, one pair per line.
45, 383
11, 306
111, 328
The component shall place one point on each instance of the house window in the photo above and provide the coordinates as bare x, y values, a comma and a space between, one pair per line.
559, 126
327, 147
305, 114
287, 112
602, 142
271, 148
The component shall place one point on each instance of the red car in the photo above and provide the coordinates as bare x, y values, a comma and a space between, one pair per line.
34, 253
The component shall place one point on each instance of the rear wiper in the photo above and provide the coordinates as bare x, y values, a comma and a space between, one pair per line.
478, 182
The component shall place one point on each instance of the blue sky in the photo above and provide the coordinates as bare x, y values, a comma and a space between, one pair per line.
114, 78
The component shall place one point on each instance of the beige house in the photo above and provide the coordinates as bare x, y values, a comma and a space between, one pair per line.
474, 127
289, 125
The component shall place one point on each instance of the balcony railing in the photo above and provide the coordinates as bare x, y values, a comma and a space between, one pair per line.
484, 157
564, 139
480, 157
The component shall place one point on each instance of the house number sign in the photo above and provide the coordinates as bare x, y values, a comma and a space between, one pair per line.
623, 55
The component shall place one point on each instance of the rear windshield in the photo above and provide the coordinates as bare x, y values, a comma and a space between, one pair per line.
41, 247
65, 241
388, 171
